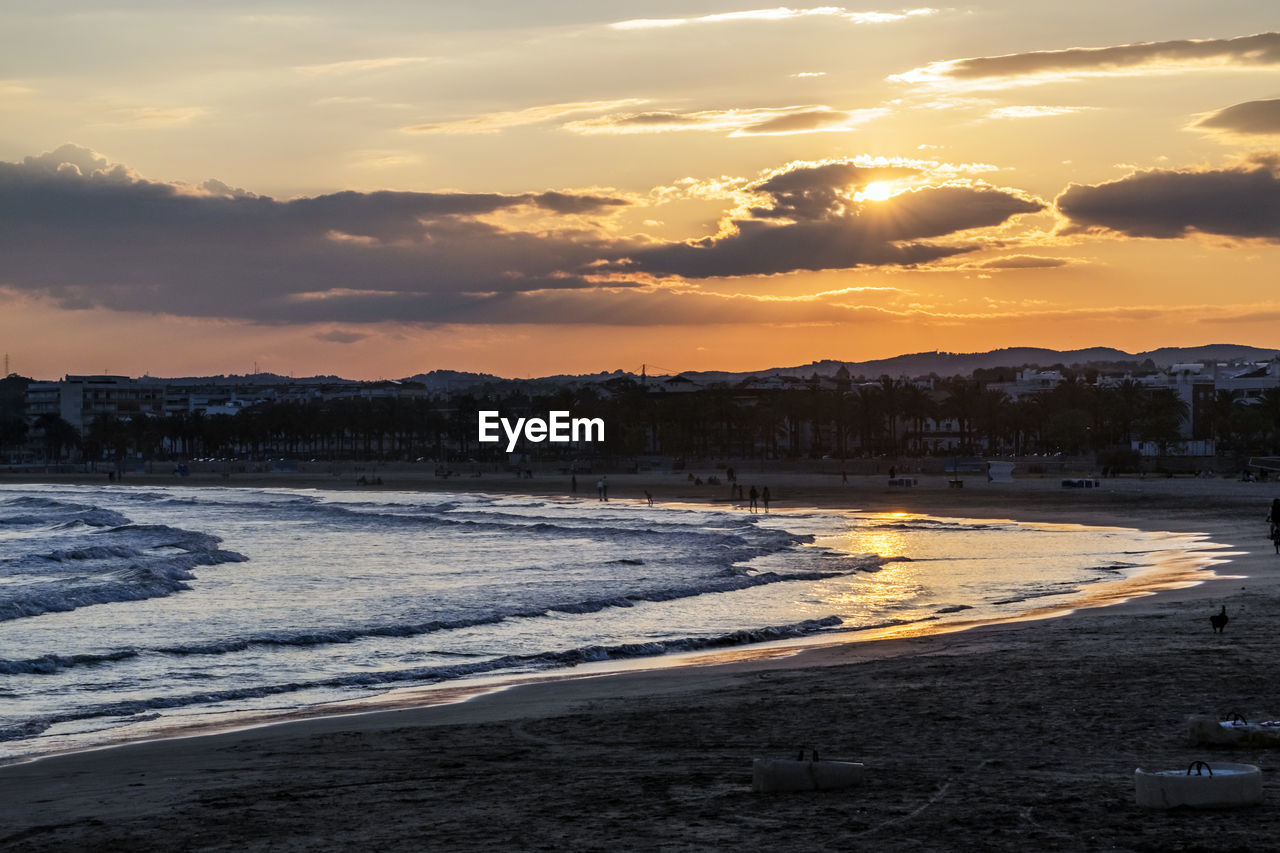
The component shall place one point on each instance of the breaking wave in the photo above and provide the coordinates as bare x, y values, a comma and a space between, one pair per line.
96, 563
52, 663
431, 674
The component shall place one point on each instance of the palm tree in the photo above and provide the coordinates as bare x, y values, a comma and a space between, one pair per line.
13, 432
1070, 412
992, 410
892, 398
917, 405
1025, 420
1125, 403
869, 409
1161, 418
962, 403
56, 435
1221, 409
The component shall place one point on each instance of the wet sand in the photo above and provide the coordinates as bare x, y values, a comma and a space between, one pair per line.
1021, 736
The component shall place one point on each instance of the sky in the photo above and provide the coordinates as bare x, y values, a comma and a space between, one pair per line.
560, 186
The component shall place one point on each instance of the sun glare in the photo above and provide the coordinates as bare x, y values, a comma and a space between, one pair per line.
876, 191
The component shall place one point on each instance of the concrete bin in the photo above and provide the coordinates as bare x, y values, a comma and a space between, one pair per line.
1222, 786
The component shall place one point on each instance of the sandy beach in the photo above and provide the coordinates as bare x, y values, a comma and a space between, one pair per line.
1021, 736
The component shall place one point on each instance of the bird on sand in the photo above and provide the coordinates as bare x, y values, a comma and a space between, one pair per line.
1219, 620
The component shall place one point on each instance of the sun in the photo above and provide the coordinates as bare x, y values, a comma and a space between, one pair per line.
875, 191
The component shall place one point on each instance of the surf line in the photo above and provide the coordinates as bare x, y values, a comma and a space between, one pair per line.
559, 427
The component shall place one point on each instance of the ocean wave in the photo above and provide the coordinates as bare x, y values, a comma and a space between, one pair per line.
33, 501
30, 511
134, 583
482, 519
127, 562
935, 524
94, 517
90, 552
1060, 589
48, 664
730, 582
426, 675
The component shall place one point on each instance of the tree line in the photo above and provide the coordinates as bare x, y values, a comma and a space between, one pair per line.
889, 417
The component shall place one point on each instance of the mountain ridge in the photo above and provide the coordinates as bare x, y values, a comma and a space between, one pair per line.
937, 362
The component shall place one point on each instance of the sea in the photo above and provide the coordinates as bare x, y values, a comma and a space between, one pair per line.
129, 613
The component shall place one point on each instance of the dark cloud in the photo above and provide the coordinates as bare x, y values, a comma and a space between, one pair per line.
90, 234
1251, 117
1242, 202
821, 191
1259, 50
568, 203
822, 227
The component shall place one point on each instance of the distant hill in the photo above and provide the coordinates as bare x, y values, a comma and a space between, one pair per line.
250, 379
452, 380
942, 364
1211, 353
963, 364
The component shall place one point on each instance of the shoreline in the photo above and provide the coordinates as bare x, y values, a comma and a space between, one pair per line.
39, 800
812, 650
1160, 579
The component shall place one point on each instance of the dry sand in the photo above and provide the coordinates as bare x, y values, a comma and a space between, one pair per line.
1021, 736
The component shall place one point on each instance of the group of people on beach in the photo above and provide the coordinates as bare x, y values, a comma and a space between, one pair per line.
757, 498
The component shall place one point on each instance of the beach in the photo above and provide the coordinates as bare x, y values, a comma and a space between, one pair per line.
1003, 737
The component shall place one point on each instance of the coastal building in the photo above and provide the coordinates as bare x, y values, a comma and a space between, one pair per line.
80, 399
212, 400
1029, 382
1199, 385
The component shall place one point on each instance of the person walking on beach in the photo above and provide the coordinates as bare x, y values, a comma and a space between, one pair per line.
648, 496
1273, 518
764, 498
600, 488
754, 495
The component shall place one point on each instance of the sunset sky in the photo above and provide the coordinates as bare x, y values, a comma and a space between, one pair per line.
380, 189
